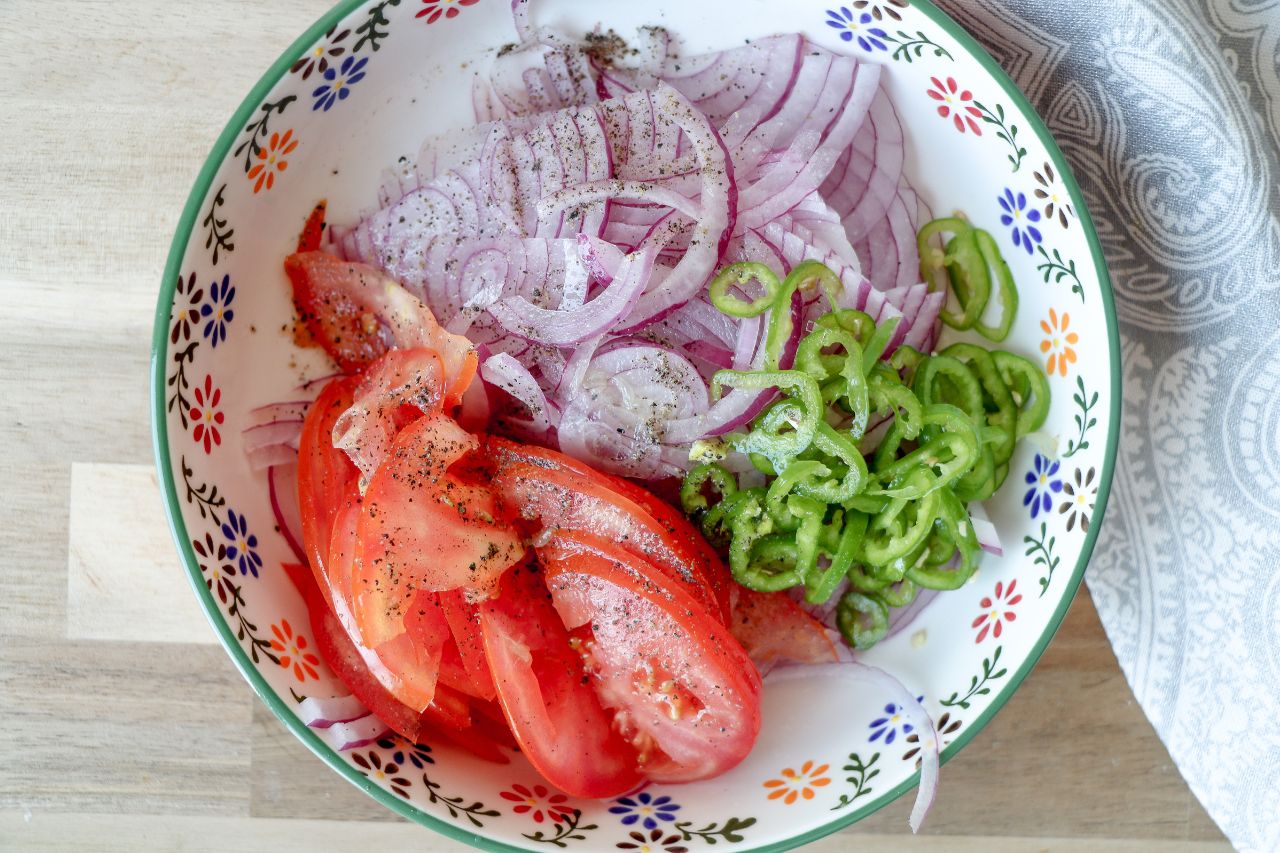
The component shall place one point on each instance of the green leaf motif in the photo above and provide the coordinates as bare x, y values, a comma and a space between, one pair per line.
258, 130
979, 686
1057, 269
910, 48
568, 829
861, 774
374, 29
457, 806
730, 831
1042, 548
219, 238
1085, 421
1006, 132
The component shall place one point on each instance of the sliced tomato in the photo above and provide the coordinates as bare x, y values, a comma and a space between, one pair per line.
344, 657
682, 689
772, 628
313, 231
326, 477
357, 313
393, 391
536, 485
468, 642
554, 714
405, 666
423, 527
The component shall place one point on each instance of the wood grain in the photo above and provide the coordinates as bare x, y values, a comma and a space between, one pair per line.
127, 730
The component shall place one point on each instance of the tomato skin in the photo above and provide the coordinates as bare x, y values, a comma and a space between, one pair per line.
357, 312
313, 231
552, 711
326, 476
423, 528
391, 393
345, 659
772, 627
565, 493
681, 686
464, 625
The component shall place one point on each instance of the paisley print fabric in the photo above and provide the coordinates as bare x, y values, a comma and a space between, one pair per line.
1169, 111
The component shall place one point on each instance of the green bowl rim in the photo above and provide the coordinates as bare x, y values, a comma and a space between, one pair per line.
177, 527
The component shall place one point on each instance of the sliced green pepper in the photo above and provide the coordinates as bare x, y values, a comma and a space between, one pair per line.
863, 620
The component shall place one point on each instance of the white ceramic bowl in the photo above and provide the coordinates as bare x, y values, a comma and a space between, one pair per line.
828, 755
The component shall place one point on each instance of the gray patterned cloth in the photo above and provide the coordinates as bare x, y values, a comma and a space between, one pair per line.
1169, 111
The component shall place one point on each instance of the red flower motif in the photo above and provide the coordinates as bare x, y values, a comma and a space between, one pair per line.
956, 104
205, 415
994, 618
538, 801
293, 650
436, 9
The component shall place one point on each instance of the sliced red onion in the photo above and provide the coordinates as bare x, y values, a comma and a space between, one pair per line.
901, 618
321, 713
574, 325
893, 691
353, 734
988, 536
511, 376
282, 487
290, 410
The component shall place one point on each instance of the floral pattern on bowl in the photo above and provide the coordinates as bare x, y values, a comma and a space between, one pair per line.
360, 90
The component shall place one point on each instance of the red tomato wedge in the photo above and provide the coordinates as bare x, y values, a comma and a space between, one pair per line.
345, 659
313, 231
393, 391
326, 476
357, 312
554, 714
464, 624
422, 527
772, 627
563, 493
683, 690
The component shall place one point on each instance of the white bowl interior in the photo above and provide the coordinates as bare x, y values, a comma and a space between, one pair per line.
417, 84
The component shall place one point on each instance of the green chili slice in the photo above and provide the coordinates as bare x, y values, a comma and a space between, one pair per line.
1008, 289
1028, 381
713, 475
863, 620
740, 275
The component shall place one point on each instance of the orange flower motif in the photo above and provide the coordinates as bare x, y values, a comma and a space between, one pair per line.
293, 651
271, 159
1060, 343
794, 785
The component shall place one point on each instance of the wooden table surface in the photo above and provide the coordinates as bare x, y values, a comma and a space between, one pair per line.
123, 725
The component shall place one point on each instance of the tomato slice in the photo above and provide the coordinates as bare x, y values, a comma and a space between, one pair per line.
424, 528
468, 643
772, 628
326, 477
357, 313
554, 714
393, 391
344, 657
313, 231
535, 485
683, 690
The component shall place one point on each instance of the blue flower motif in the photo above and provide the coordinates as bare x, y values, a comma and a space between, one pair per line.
645, 807
418, 754
889, 725
852, 25
1044, 482
1017, 217
244, 545
217, 311
338, 82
